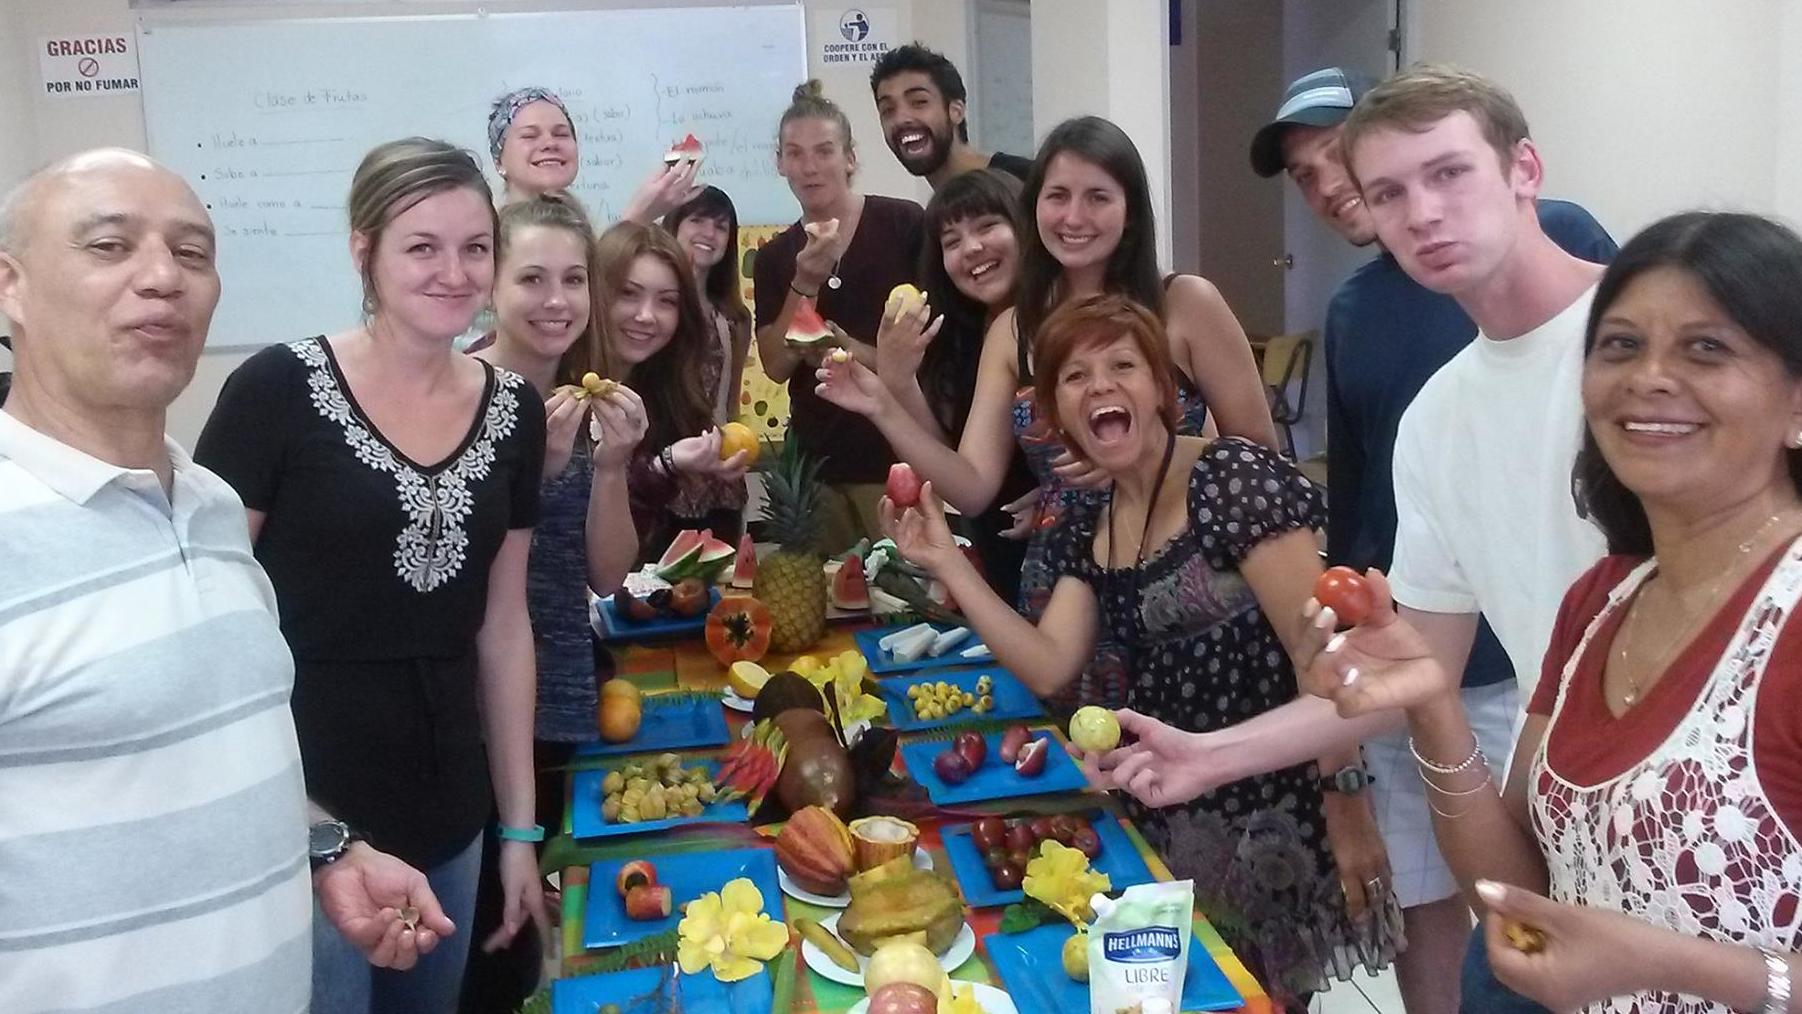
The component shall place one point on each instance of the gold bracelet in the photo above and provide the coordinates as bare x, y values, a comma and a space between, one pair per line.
1484, 784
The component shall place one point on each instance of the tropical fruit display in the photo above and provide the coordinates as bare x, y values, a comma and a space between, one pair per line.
738, 629
655, 789
790, 581
619, 710
897, 899
846, 587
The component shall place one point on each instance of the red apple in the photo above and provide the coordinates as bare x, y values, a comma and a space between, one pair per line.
974, 748
1011, 742
903, 485
903, 998
951, 767
1087, 842
1031, 760
988, 833
648, 901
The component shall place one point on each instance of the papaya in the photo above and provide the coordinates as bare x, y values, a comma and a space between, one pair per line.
818, 769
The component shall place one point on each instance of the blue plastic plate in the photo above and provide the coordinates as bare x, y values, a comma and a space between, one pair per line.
1119, 859
698, 992
615, 627
688, 876
995, 779
585, 819
670, 722
1012, 699
883, 663
1032, 966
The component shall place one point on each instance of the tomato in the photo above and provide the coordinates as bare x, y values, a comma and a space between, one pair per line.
1346, 593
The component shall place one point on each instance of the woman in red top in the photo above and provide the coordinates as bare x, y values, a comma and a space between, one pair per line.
1655, 794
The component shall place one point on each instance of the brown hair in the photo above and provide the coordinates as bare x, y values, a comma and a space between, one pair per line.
399, 174
1417, 98
1098, 320
675, 401
590, 350
809, 102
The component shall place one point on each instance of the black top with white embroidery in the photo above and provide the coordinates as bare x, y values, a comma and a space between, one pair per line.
373, 556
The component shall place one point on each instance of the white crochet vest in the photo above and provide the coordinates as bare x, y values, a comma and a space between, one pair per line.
1686, 838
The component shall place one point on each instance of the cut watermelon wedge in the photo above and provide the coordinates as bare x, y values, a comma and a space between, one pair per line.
687, 148
681, 556
848, 590
744, 568
807, 326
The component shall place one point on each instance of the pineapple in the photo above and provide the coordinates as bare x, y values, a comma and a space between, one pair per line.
792, 580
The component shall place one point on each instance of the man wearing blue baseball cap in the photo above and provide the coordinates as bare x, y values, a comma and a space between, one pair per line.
1385, 334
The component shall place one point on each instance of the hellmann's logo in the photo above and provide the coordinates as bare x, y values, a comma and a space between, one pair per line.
1142, 946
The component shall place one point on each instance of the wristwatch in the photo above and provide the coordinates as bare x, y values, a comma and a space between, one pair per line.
1349, 780
327, 842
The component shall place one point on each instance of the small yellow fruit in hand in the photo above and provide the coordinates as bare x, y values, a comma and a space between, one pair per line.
838, 357
1094, 729
735, 437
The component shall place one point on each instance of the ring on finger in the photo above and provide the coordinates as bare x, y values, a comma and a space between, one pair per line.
1375, 885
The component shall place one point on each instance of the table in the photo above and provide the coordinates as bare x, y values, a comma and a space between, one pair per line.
686, 665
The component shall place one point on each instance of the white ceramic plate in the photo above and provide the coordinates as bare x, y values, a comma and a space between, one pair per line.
991, 999
737, 703
922, 861
961, 950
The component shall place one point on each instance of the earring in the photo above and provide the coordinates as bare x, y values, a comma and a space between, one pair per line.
1794, 442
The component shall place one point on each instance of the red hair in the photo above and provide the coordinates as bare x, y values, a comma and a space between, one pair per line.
1100, 320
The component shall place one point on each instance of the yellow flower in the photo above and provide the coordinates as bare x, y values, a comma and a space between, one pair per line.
1060, 877
729, 932
853, 704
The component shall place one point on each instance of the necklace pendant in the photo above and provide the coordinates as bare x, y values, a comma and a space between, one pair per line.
1630, 698
833, 283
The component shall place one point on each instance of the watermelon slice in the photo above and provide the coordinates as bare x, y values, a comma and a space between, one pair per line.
716, 555
687, 148
744, 568
848, 590
679, 559
807, 327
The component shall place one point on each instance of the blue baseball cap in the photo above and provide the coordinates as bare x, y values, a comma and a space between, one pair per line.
1321, 99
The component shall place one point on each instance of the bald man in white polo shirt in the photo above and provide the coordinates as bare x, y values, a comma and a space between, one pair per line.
153, 818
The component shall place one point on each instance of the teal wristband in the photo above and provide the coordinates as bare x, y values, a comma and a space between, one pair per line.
535, 833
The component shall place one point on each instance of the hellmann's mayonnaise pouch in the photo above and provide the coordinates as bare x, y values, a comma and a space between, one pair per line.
1139, 948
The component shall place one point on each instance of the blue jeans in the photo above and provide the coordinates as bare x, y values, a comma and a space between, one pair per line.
345, 983
1483, 993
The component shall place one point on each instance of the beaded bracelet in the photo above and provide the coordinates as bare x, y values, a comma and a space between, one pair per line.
1476, 755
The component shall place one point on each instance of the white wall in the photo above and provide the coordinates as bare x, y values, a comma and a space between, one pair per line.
1111, 59
37, 129
1642, 107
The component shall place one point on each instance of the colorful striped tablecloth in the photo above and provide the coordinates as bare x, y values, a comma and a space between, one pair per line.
686, 665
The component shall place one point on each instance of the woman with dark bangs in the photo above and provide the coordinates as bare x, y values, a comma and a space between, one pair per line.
707, 230
969, 264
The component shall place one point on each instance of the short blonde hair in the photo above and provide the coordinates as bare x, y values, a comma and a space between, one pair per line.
1417, 98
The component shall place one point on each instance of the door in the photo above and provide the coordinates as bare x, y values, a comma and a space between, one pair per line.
1357, 35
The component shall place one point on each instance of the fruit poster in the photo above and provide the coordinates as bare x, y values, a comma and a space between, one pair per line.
762, 403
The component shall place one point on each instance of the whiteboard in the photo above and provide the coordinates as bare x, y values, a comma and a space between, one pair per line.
267, 120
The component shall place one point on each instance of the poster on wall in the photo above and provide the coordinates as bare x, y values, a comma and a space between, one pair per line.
762, 403
79, 66
849, 34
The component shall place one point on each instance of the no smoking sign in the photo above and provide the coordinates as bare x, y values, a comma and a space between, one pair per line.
83, 65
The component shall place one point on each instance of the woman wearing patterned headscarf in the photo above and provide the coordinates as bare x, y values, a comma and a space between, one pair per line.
533, 140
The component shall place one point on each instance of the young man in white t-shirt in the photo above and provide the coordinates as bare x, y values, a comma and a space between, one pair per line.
1482, 470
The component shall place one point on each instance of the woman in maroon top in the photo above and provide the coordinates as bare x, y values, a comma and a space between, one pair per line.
1655, 794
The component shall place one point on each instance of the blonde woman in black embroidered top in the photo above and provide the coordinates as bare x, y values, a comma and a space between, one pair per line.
392, 486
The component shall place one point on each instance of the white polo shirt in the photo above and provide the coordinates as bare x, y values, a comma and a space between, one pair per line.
152, 810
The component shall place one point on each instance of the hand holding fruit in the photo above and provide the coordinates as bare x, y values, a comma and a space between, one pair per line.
907, 330
919, 531
363, 895
813, 265
1567, 956
850, 385
1379, 664
700, 457
563, 415
617, 424
1164, 765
